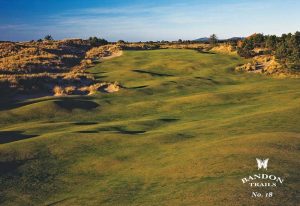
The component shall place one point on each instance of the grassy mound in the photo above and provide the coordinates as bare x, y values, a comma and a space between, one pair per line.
184, 130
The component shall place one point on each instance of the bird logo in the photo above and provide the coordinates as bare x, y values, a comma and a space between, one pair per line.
262, 163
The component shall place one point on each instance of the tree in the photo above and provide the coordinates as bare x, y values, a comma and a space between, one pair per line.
121, 42
271, 42
48, 38
246, 49
286, 48
94, 41
213, 39
257, 39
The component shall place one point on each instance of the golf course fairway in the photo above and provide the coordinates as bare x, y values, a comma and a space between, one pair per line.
184, 129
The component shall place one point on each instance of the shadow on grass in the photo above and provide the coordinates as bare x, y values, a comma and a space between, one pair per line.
10, 167
131, 132
85, 123
88, 132
174, 138
208, 79
124, 130
70, 104
121, 130
59, 201
137, 87
152, 73
168, 119
12, 104
100, 77
12, 136
101, 72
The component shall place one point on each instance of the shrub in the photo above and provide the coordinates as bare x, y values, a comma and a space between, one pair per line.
246, 48
244, 52
58, 91
70, 90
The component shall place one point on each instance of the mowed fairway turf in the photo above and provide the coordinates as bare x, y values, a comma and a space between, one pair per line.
184, 130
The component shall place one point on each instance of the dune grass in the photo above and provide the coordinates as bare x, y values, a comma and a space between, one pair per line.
184, 130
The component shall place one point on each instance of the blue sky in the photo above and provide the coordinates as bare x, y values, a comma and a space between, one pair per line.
139, 20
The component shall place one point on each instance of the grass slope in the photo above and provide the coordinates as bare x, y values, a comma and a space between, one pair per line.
184, 130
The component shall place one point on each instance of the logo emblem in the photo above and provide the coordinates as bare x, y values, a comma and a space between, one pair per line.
262, 163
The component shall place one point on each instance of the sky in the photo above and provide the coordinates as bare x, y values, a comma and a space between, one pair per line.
145, 20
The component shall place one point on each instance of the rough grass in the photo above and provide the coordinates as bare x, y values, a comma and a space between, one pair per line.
185, 138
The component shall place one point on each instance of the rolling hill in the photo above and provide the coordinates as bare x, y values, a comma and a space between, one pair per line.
183, 130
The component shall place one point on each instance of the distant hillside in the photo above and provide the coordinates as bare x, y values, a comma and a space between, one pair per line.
202, 39
206, 39
235, 38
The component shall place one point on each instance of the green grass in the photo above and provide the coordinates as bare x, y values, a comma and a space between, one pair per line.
184, 130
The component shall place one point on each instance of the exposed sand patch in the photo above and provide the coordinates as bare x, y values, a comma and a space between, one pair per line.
224, 48
113, 55
266, 64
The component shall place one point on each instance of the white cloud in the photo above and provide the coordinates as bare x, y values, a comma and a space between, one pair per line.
154, 22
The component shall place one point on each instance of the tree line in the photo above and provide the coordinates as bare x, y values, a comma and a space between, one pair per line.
286, 48
94, 41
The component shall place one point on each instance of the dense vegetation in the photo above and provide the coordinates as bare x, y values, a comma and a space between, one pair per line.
39, 66
95, 41
285, 48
